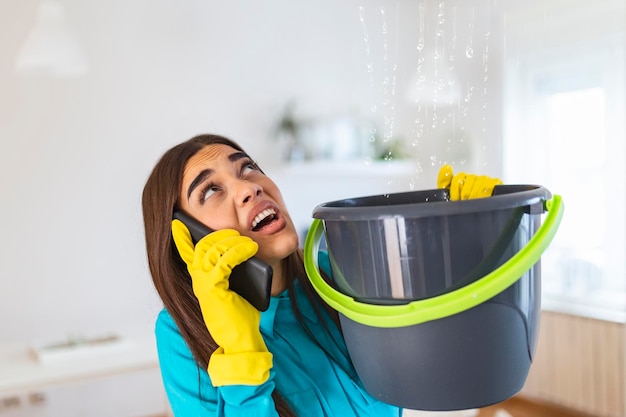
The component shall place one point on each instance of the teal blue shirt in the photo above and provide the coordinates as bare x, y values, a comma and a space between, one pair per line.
316, 379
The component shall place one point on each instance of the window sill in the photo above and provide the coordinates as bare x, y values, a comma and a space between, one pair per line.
576, 307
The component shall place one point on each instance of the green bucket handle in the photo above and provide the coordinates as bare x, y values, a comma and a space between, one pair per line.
445, 305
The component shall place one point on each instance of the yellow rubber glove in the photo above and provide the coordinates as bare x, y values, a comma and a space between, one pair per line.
466, 186
242, 357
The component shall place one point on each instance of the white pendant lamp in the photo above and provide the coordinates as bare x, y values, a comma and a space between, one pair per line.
50, 48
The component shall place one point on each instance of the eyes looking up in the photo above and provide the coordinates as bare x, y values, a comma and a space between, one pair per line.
247, 169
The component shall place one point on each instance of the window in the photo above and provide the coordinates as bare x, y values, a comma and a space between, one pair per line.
565, 106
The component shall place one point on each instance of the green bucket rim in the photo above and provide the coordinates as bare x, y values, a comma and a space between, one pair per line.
441, 306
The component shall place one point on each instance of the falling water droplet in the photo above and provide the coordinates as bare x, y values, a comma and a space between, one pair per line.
441, 20
469, 48
454, 35
384, 30
420, 41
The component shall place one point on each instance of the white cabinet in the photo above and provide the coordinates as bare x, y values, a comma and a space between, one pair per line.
124, 383
131, 394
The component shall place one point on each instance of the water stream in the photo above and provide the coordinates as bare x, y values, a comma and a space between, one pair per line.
429, 73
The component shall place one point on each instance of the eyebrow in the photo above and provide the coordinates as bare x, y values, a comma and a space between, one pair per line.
200, 178
234, 157
205, 173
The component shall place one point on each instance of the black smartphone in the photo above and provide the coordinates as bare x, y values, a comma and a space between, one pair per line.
251, 279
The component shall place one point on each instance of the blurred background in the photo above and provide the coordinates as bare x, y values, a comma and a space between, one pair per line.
334, 100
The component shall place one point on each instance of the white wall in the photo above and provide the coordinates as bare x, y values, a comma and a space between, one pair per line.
74, 153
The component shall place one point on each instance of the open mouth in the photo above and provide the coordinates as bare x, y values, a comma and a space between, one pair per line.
263, 219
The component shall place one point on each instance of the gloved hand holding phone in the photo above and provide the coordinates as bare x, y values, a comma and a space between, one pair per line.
464, 186
242, 357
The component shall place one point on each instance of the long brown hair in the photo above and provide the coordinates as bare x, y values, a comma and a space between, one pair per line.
169, 273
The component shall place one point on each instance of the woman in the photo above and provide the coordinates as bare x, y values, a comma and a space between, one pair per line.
218, 355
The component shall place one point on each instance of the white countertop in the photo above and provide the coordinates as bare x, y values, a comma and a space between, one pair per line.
20, 368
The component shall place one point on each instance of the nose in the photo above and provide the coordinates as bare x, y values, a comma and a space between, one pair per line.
247, 192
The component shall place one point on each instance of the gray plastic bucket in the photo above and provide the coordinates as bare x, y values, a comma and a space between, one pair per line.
439, 301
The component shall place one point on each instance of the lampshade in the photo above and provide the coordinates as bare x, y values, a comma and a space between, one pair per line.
50, 48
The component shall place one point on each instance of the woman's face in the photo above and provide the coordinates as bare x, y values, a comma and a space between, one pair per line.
223, 188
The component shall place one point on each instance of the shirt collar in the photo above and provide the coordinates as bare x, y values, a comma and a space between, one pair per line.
268, 317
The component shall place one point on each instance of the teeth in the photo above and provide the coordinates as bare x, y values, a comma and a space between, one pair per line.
262, 215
